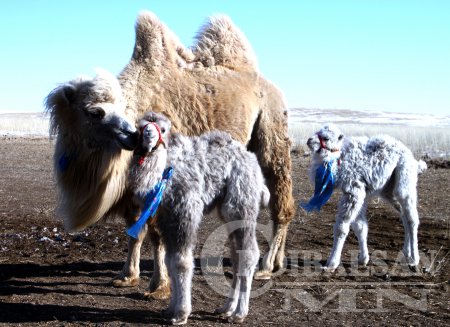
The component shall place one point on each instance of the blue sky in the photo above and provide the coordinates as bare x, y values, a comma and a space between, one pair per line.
388, 55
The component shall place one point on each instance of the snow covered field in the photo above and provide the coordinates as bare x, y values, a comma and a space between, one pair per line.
339, 116
425, 134
24, 125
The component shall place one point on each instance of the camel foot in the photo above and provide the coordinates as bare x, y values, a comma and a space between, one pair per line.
178, 321
328, 270
121, 281
236, 319
224, 313
161, 293
263, 275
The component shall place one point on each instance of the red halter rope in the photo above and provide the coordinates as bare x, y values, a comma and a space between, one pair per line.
160, 140
323, 146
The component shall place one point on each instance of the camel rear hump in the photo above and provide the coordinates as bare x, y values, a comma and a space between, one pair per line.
221, 42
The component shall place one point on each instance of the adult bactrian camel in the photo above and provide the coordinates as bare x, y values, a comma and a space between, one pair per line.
216, 85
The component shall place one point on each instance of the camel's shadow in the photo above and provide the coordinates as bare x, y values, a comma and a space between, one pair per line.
72, 269
62, 281
58, 283
40, 313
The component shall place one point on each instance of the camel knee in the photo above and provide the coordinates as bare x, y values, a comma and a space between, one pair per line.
180, 263
360, 228
341, 229
283, 206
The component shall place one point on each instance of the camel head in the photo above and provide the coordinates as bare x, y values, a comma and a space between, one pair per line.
90, 112
155, 131
327, 142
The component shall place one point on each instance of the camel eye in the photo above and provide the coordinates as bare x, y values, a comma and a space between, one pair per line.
163, 130
326, 139
340, 137
96, 113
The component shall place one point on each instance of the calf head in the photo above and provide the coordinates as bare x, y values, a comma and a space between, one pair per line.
327, 141
155, 131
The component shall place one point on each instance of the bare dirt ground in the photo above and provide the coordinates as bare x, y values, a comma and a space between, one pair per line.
50, 277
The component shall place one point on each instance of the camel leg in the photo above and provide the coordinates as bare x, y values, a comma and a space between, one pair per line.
282, 206
181, 266
129, 275
349, 209
405, 192
159, 287
361, 228
244, 257
410, 219
271, 143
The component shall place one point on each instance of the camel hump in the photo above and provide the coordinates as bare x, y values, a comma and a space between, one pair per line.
220, 42
156, 43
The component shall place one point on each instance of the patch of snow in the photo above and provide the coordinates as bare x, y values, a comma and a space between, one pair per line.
320, 116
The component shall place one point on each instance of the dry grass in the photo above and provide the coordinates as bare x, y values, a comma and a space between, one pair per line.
423, 141
26, 124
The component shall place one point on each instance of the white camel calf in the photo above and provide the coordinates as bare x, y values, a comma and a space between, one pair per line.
364, 167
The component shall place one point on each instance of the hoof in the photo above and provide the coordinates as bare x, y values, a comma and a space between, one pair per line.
263, 275
161, 293
223, 313
177, 322
362, 262
235, 319
328, 270
120, 281
179, 319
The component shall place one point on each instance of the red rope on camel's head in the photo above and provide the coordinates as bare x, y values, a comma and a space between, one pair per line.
323, 146
160, 140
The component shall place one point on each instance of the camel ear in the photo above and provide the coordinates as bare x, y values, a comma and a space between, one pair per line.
60, 97
68, 92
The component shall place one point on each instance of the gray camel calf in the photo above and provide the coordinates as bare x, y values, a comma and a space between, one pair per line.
211, 170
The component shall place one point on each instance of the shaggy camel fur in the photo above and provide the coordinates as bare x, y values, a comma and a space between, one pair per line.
217, 85
377, 166
88, 117
210, 171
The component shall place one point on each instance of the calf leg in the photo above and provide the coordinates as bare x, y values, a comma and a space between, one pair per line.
361, 228
350, 206
181, 266
410, 219
244, 256
406, 194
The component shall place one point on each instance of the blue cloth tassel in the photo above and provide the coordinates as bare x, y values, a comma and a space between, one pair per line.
324, 185
152, 201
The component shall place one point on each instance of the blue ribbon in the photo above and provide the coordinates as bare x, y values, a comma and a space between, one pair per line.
152, 201
324, 185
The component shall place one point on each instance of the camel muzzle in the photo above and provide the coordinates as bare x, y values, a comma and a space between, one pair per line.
128, 140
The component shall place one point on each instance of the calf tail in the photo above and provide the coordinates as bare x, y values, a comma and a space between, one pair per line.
265, 197
421, 166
